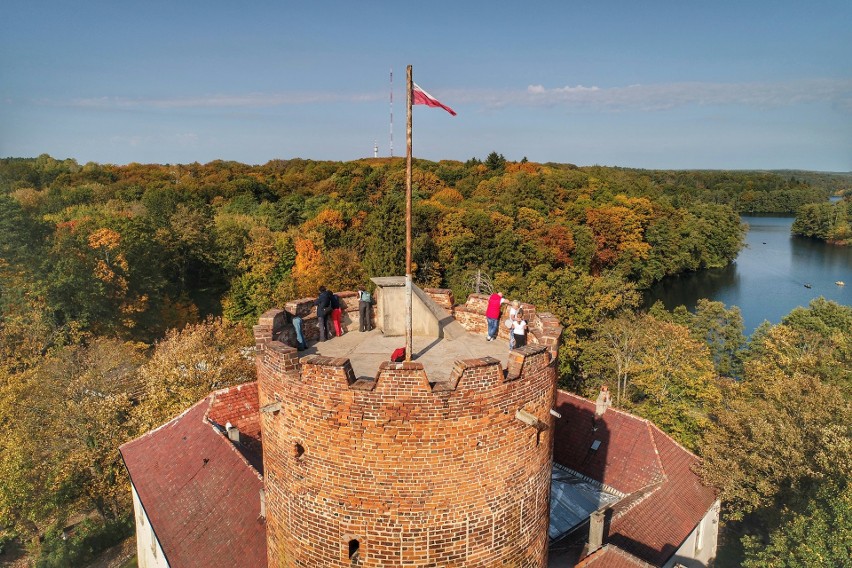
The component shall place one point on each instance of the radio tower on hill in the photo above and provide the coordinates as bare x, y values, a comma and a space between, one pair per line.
391, 112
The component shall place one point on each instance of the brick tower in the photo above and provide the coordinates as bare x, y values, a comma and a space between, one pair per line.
401, 470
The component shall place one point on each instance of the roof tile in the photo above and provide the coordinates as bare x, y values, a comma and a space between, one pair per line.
664, 498
201, 496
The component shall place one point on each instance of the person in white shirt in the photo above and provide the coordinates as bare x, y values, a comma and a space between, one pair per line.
510, 322
519, 329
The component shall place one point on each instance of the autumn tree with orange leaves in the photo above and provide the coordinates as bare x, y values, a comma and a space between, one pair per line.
619, 236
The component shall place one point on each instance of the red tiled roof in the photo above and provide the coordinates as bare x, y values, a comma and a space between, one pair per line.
665, 499
201, 496
627, 458
239, 405
611, 557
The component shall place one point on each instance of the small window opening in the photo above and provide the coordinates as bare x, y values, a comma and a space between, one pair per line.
298, 450
595, 445
354, 545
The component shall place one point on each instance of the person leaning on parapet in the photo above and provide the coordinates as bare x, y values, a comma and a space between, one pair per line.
365, 308
300, 338
323, 304
492, 313
336, 314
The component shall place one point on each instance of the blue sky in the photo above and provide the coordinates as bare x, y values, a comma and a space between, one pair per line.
652, 84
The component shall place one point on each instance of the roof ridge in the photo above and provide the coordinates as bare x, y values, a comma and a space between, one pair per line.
613, 549
650, 426
626, 504
609, 409
632, 557
634, 416
675, 442
224, 437
238, 386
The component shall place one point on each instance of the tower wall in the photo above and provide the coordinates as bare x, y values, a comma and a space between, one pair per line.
401, 471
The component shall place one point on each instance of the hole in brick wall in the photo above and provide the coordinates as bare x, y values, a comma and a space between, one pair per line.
354, 545
298, 450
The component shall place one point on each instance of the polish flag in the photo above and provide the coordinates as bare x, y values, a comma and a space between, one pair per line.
421, 97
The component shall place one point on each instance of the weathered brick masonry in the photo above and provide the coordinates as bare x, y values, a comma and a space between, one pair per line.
400, 470
543, 328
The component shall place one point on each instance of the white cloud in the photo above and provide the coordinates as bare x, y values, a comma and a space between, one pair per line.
539, 89
183, 140
248, 100
645, 97
670, 95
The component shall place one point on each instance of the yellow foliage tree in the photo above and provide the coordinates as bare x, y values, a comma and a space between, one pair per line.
190, 363
64, 419
660, 373
618, 233
448, 196
308, 273
111, 268
325, 219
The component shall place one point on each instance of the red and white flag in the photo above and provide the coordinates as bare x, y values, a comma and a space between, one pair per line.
421, 97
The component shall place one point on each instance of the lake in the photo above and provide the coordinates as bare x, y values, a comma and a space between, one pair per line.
767, 280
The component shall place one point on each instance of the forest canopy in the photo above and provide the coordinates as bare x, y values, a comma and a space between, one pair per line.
134, 250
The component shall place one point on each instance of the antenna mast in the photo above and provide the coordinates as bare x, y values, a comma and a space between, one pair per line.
391, 112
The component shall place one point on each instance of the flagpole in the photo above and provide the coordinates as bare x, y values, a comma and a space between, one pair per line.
408, 302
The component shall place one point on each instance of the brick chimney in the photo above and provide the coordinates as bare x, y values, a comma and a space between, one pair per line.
596, 532
233, 433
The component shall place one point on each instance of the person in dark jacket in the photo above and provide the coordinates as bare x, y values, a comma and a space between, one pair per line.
365, 307
323, 304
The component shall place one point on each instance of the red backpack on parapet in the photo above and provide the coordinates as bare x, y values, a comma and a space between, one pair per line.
398, 355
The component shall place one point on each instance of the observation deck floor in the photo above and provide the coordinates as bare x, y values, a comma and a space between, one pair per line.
367, 350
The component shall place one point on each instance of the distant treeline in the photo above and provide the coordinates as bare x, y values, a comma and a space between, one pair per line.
748, 191
831, 222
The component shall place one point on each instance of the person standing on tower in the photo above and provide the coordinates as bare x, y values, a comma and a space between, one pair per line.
300, 338
510, 322
323, 304
492, 313
519, 329
336, 314
365, 307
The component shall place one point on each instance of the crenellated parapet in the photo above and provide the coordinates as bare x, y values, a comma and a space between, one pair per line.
278, 322
442, 296
543, 327
400, 469
483, 378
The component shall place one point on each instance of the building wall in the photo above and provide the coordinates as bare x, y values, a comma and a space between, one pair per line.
148, 551
406, 471
700, 546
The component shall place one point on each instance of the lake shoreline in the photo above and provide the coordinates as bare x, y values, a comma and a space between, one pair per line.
774, 273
